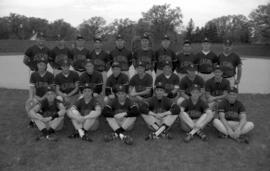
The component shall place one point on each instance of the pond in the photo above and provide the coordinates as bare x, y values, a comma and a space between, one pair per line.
255, 78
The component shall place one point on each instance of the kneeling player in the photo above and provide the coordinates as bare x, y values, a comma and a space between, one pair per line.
84, 113
160, 113
48, 115
121, 115
233, 118
195, 114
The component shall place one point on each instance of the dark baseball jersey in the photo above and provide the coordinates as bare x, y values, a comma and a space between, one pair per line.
186, 83
95, 78
112, 82
57, 55
232, 111
169, 83
183, 61
162, 105
85, 108
101, 60
35, 53
205, 63
146, 56
114, 107
41, 82
217, 88
228, 64
67, 83
79, 57
141, 84
194, 110
163, 55
123, 56
47, 109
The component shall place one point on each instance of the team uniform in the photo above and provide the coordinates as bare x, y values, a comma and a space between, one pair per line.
183, 61
186, 83
147, 57
79, 57
163, 55
95, 78
141, 84
170, 83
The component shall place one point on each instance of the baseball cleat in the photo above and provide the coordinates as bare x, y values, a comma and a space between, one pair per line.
110, 137
243, 139
31, 124
202, 135
128, 140
86, 138
74, 135
166, 135
151, 136
51, 138
221, 135
188, 138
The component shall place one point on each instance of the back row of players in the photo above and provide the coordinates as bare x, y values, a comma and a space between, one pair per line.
202, 89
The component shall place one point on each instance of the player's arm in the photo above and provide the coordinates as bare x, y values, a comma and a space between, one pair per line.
225, 122
94, 113
62, 110
145, 92
75, 90
183, 94
59, 92
76, 115
33, 114
26, 60
239, 73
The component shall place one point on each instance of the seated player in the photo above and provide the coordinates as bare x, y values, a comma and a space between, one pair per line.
117, 78
92, 77
195, 114
140, 86
84, 113
48, 115
159, 113
232, 120
169, 79
188, 81
216, 88
39, 80
121, 115
67, 83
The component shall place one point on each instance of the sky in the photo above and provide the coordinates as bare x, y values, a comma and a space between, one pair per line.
76, 11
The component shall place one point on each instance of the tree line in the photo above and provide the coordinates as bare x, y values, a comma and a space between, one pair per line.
158, 20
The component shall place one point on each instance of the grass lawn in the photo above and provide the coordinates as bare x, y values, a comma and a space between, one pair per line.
20, 151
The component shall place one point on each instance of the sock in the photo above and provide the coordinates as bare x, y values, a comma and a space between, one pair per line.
44, 132
119, 132
81, 132
51, 131
161, 129
155, 126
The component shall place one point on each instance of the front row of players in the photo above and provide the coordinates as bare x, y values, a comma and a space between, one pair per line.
159, 112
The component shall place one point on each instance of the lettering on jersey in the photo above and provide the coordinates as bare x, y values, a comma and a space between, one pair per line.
194, 114
40, 56
232, 115
79, 57
164, 58
204, 61
185, 63
67, 86
227, 64
60, 57
147, 60
169, 86
40, 84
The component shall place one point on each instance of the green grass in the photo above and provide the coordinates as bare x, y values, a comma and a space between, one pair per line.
19, 150
20, 46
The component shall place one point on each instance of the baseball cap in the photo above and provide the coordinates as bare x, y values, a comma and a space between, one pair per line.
120, 88
87, 86
89, 61
79, 37
233, 90
167, 63
145, 36
116, 64
50, 88
41, 36
191, 67
205, 40
97, 38
119, 36
141, 63
217, 67
166, 37
42, 59
160, 85
195, 87
65, 62
227, 42
187, 41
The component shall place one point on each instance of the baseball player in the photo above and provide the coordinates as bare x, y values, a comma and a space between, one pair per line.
121, 54
48, 115
205, 60
159, 113
39, 80
121, 115
101, 59
84, 113
117, 78
67, 83
230, 62
169, 79
92, 77
145, 54
232, 120
187, 82
195, 114
57, 55
164, 54
79, 55
184, 59
140, 86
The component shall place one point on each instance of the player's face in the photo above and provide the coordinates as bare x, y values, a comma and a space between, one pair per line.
191, 73
227, 49
206, 46
165, 43
120, 43
195, 94
159, 92
167, 70
97, 44
42, 66
187, 48
80, 43
121, 95
232, 97
145, 43
50, 96
218, 73
87, 93
89, 68
140, 69
116, 71
65, 68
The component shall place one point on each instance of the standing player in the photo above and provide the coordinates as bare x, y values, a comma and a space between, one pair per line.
67, 83
184, 59
159, 113
205, 60
140, 86
121, 115
57, 55
79, 55
230, 62
117, 78
195, 114
164, 54
84, 113
39, 80
145, 55
169, 79
122, 55
48, 115
35, 53
232, 120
